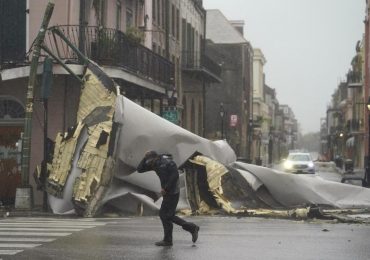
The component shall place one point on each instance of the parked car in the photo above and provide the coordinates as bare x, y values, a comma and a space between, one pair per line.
299, 163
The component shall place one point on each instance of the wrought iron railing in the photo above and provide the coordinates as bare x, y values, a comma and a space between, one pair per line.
111, 47
196, 60
354, 77
354, 125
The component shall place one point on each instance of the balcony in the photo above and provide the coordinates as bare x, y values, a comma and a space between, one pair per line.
111, 47
201, 66
355, 126
354, 79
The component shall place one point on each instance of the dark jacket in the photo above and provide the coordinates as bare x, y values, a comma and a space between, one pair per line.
167, 172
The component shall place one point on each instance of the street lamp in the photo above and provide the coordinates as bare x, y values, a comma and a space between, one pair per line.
367, 172
250, 135
222, 114
169, 112
172, 100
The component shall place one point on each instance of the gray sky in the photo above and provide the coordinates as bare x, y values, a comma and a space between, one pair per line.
308, 44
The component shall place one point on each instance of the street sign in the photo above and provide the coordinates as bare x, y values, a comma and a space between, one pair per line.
171, 115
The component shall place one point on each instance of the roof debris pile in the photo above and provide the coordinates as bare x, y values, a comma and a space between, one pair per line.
94, 167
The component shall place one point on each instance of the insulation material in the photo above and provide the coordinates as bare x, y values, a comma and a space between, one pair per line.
65, 146
91, 161
215, 172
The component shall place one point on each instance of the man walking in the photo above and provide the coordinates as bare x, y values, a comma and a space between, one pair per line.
168, 174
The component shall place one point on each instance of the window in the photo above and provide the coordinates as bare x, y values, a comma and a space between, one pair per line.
10, 108
192, 117
177, 24
184, 45
118, 15
154, 48
159, 13
164, 19
154, 9
129, 18
184, 113
173, 19
103, 13
200, 118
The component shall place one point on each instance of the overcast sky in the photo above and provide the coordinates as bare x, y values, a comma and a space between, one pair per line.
308, 45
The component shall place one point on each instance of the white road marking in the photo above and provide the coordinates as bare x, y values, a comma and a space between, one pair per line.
10, 252
39, 234
39, 229
13, 245
54, 222
25, 233
26, 239
45, 225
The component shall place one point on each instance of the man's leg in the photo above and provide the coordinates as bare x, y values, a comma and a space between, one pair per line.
165, 216
188, 226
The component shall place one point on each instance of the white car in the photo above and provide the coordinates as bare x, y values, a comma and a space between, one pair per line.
299, 163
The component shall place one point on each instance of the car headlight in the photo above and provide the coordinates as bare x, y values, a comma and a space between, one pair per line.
311, 164
288, 165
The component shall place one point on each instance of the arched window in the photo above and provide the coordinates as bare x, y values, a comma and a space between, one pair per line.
10, 109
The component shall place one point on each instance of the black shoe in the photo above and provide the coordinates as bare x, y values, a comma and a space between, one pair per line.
163, 243
194, 234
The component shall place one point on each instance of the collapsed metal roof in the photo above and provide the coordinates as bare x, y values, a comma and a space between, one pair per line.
94, 166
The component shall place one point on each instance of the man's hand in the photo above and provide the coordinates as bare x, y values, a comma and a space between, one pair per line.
163, 192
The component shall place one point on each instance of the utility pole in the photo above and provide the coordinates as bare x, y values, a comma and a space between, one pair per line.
24, 198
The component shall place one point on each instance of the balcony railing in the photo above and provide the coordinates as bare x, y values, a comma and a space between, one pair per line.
111, 47
200, 62
354, 125
354, 79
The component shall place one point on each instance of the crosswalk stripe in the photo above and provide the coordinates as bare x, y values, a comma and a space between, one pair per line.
26, 239
5, 225
10, 252
13, 245
81, 220
39, 229
41, 234
55, 222
18, 234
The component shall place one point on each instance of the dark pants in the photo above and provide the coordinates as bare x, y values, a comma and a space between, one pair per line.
167, 215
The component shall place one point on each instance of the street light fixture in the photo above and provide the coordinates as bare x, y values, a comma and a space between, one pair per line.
171, 99
222, 114
367, 172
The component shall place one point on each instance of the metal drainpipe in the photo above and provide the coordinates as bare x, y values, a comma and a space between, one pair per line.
204, 81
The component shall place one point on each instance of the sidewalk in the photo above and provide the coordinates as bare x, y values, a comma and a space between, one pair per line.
357, 177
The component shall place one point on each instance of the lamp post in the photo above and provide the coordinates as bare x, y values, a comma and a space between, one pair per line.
170, 112
270, 146
222, 114
250, 135
172, 100
367, 172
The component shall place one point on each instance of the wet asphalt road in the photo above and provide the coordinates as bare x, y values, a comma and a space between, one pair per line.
220, 238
